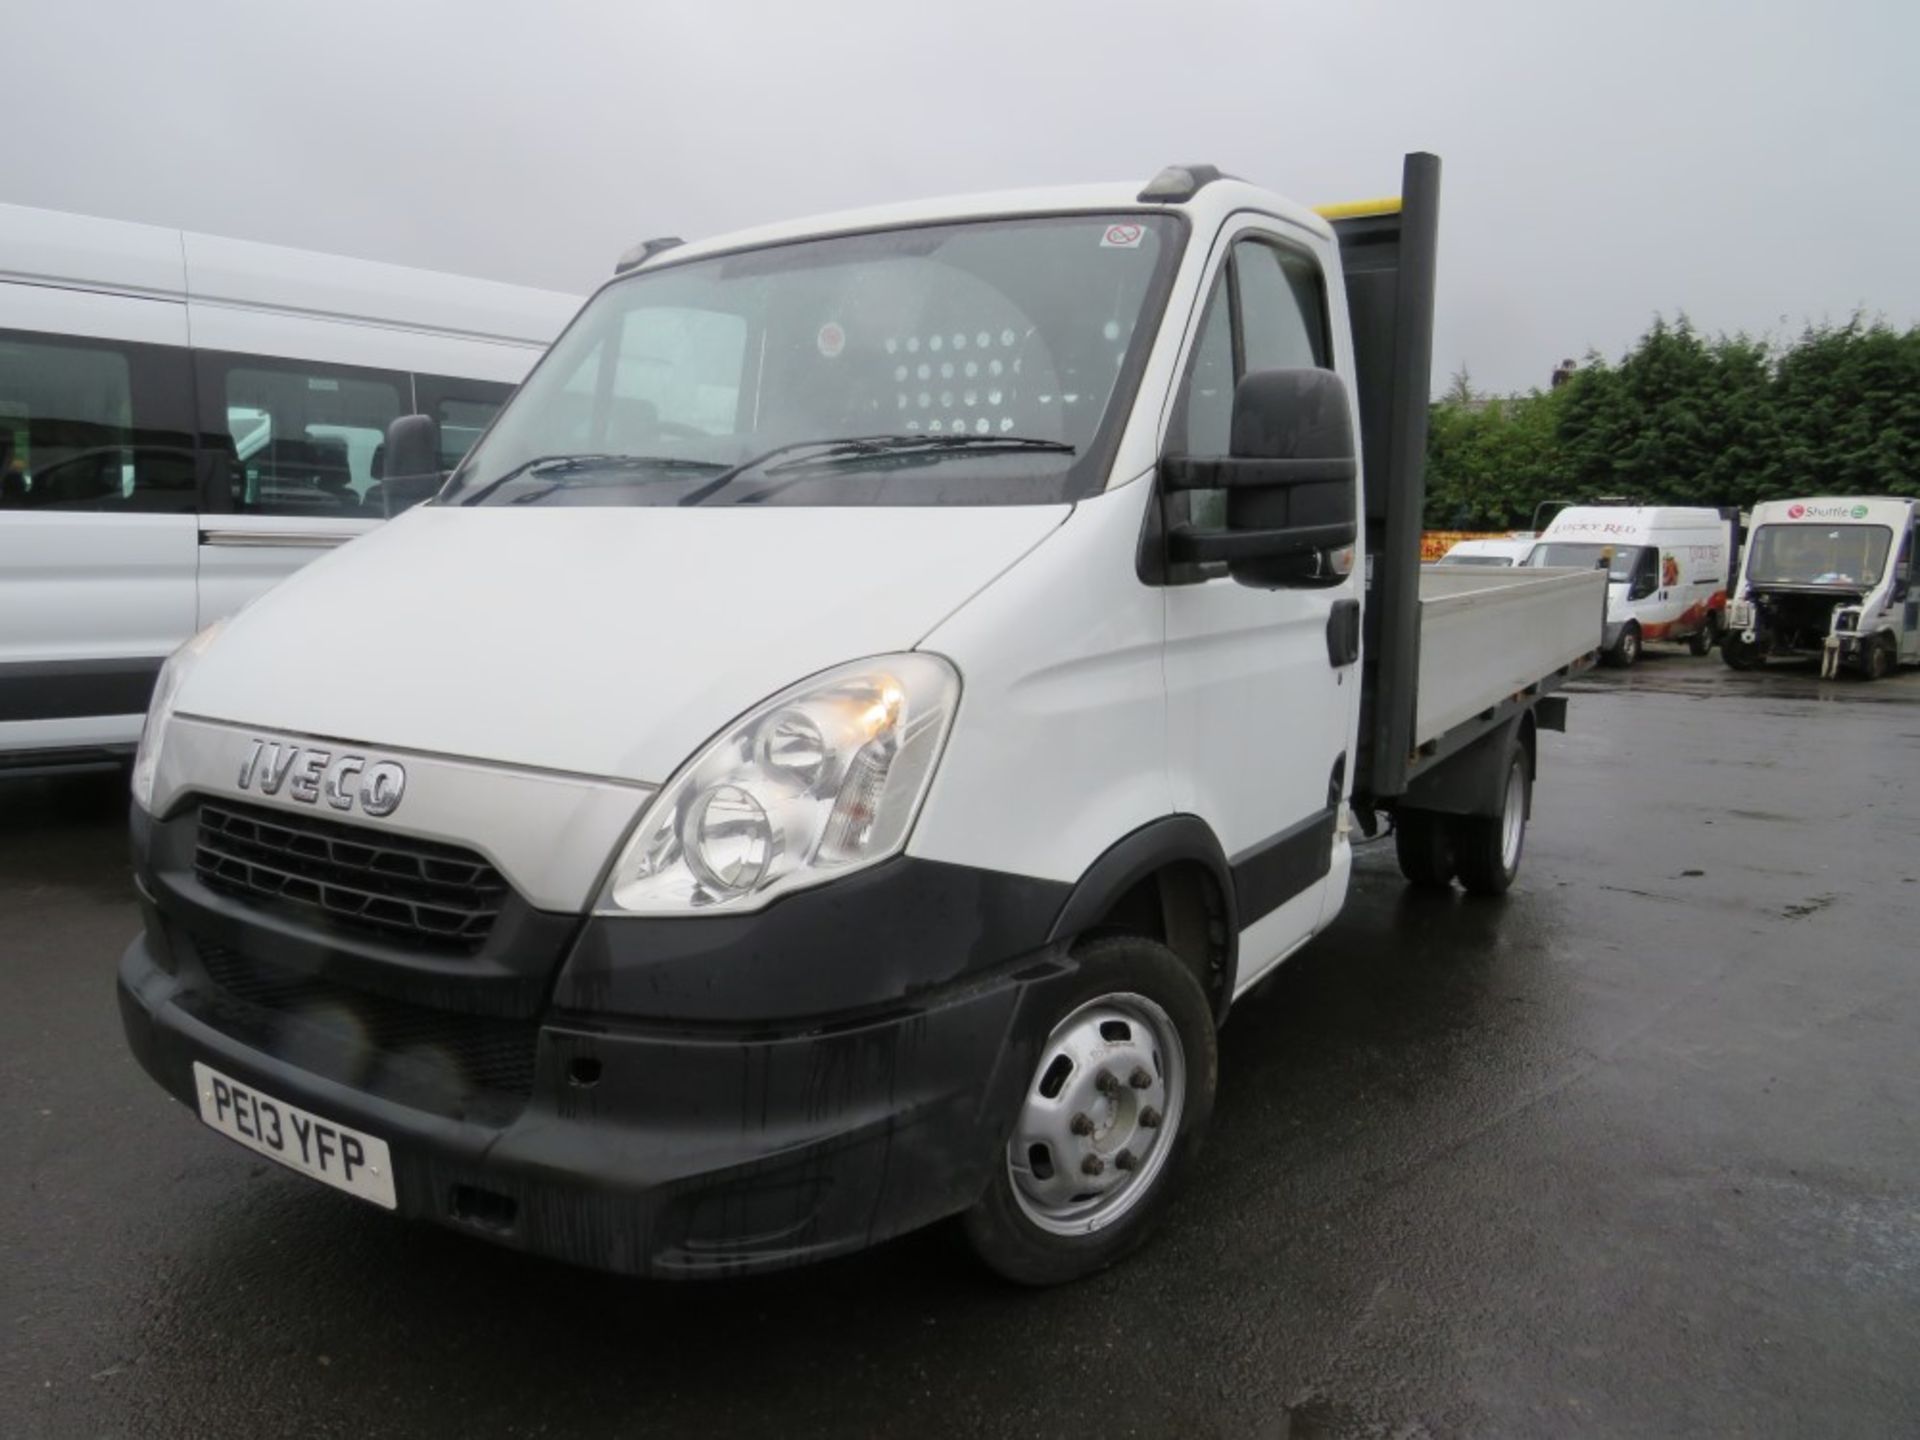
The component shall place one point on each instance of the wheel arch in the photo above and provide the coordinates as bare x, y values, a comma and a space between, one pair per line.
1168, 880
1472, 782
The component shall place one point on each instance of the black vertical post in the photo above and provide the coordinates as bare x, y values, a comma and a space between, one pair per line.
1396, 576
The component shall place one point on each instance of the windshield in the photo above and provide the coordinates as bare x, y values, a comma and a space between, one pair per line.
1587, 557
1854, 555
1476, 559
976, 363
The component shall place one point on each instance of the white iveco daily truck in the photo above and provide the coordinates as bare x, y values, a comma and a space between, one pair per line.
834, 751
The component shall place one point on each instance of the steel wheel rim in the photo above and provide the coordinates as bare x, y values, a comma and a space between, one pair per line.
1071, 1115
1513, 818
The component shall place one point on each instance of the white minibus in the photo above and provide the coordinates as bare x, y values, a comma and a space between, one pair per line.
186, 419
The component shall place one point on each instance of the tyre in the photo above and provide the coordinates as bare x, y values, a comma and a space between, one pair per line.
1423, 844
1740, 654
1701, 641
1110, 1120
1626, 650
1877, 663
1487, 847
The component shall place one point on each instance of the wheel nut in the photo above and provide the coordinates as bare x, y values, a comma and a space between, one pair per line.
1125, 1161
1140, 1079
1092, 1165
1106, 1084
1081, 1124
1149, 1118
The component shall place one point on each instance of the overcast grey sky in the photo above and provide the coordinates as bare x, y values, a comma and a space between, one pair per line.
1749, 163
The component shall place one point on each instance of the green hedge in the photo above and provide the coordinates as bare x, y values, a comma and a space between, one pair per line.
1690, 421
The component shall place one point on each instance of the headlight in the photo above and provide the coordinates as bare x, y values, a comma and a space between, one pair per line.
166, 690
821, 780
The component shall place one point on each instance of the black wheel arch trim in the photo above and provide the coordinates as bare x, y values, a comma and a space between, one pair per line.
1170, 840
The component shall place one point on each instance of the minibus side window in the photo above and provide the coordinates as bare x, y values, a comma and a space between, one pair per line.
461, 422
93, 425
463, 407
300, 437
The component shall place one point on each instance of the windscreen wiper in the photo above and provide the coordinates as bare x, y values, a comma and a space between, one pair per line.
811, 454
572, 464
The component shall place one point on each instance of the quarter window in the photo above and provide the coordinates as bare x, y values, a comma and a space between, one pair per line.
1208, 408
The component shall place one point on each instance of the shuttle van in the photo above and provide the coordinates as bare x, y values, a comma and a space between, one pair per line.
1667, 570
186, 419
836, 750
1830, 576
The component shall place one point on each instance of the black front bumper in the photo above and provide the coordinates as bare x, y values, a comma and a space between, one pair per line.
668, 1146
663, 1154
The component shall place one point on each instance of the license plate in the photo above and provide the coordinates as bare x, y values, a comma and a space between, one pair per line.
331, 1153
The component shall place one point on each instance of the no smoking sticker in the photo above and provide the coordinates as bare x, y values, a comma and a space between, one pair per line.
831, 340
1122, 237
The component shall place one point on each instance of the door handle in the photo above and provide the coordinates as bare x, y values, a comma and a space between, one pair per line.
1343, 633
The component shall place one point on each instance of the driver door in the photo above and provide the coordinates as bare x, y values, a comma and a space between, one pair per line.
1260, 720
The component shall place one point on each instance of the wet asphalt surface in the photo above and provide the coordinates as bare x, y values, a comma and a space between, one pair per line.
1634, 1151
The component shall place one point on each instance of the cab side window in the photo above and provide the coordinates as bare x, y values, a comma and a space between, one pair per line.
1282, 308
93, 425
1267, 312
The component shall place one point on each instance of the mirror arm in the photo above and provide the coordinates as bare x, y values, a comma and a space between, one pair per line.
1189, 545
1232, 472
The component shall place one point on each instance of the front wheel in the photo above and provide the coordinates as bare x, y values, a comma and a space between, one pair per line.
1877, 664
1626, 650
1487, 847
1740, 654
1111, 1119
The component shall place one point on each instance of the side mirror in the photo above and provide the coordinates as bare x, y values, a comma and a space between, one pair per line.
410, 462
1291, 496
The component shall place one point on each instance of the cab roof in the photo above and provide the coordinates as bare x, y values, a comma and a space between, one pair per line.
1210, 204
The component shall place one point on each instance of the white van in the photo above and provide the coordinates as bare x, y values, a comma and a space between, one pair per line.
1668, 568
185, 419
1500, 550
842, 741
1832, 576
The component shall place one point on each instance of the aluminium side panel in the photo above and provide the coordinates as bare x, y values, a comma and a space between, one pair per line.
1487, 635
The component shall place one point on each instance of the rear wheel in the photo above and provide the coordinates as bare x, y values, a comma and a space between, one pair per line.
1701, 641
1626, 650
1423, 844
1110, 1121
1488, 847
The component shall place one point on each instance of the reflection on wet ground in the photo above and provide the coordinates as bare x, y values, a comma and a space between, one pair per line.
1629, 1152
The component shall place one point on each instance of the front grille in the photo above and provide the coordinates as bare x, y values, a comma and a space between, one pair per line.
417, 892
356, 1036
